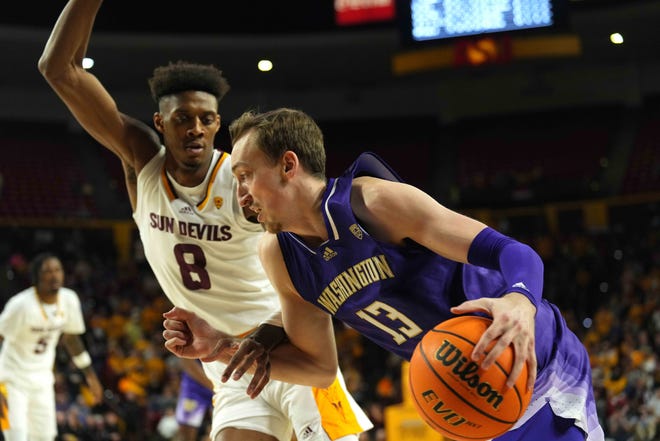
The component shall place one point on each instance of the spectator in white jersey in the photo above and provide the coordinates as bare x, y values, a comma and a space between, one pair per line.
31, 324
199, 242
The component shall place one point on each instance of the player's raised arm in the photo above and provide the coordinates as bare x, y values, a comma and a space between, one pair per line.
82, 92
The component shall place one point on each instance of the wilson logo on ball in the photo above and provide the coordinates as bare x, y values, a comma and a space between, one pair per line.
450, 356
453, 394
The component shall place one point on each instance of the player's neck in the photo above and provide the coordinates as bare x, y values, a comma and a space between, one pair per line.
309, 223
47, 297
189, 176
186, 178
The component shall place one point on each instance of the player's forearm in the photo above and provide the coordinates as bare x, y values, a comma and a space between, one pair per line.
520, 266
69, 38
291, 365
314, 366
287, 363
78, 353
90, 374
73, 344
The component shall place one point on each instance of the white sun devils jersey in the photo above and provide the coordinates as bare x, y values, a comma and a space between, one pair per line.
31, 331
204, 254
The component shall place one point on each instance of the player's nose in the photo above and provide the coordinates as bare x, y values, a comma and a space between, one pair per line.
244, 198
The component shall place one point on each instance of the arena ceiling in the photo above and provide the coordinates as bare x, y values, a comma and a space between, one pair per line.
313, 57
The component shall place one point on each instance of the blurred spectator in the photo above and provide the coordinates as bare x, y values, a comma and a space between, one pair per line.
167, 426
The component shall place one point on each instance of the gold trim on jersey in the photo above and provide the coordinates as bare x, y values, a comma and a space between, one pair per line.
4, 412
58, 310
246, 333
202, 204
166, 183
169, 188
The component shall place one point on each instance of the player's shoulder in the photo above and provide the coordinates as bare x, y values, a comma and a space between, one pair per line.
69, 295
223, 165
20, 300
268, 243
68, 292
220, 176
23, 296
153, 162
270, 251
372, 189
370, 164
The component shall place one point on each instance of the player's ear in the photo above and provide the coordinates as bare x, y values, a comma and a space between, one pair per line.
158, 121
290, 163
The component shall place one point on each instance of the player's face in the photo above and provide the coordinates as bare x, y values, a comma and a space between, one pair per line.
51, 276
260, 183
188, 122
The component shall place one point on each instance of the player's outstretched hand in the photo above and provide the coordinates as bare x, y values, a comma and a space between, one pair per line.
250, 354
513, 323
190, 336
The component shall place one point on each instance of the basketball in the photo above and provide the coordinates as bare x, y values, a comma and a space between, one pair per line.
453, 395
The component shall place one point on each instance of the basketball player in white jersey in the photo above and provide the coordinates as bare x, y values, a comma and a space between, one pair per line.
31, 324
200, 244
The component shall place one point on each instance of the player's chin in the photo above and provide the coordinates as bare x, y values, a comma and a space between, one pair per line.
192, 163
54, 287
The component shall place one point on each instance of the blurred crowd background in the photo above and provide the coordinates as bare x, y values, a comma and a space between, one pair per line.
547, 179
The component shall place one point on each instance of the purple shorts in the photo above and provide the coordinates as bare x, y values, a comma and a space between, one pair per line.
545, 426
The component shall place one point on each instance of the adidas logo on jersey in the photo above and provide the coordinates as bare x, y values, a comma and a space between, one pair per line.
307, 433
186, 210
328, 253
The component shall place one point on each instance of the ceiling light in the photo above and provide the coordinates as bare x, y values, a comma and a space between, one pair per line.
265, 65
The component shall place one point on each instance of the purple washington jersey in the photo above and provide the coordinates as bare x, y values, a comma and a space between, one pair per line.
394, 294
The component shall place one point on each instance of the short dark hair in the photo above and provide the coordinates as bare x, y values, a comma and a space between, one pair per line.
37, 263
284, 129
182, 76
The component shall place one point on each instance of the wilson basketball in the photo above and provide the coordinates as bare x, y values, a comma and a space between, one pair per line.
453, 395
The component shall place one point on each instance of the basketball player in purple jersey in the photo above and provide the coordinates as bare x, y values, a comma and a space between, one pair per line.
388, 260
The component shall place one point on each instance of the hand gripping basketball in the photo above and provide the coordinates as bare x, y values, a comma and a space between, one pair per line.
453, 394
